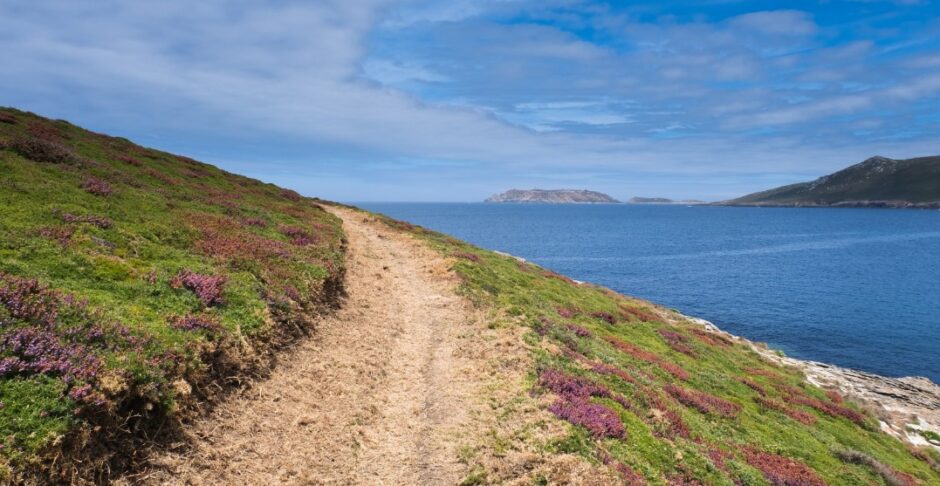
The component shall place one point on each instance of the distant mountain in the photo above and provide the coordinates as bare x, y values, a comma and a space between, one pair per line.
876, 182
662, 200
566, 196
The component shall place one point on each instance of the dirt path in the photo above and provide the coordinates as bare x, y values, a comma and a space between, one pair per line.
384, 393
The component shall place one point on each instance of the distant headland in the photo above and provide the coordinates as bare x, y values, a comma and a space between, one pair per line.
554, 196
877, 182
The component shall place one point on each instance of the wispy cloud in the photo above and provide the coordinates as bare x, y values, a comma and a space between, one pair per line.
453, 100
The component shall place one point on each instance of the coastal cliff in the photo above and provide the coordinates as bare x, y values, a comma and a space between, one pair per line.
553, 196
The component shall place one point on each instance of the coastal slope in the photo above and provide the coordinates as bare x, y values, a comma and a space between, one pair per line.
164, 321
875, 182
553, 196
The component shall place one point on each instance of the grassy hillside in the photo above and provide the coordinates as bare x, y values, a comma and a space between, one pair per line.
876, 179
135, 283
656, 399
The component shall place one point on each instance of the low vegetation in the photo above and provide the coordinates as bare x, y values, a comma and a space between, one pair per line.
135, 284
657, 399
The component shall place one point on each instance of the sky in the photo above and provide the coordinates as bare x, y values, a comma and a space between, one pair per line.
414, 100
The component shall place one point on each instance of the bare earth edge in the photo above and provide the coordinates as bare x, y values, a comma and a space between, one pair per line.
396, 386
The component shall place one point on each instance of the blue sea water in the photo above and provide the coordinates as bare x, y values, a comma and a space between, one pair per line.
855, 287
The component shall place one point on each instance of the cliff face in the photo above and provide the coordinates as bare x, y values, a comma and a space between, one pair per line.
556, 196
875, 182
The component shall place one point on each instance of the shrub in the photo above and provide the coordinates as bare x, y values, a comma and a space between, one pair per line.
677, 342
62, 234
298, 236
644, 355
782, 471
638, 314
256, 222
567, 312
754, 386
798, 415
96, 186
889, 474
97, 221
195, 323
570, 385
7, 118
703, 402
799, 397
578, 330
606, 369
127, 159
208, 288
291, 195
713, 339
598, 419
467, 256
41, 150
605, 316
631, 477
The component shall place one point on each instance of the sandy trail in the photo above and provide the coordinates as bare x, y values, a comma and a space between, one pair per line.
384, 393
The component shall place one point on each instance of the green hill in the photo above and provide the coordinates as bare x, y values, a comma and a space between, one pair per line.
135, 283
876, 182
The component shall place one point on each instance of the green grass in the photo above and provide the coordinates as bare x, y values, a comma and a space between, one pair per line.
281, 256
717, 449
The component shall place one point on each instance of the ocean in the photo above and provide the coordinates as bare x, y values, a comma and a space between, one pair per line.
858, 288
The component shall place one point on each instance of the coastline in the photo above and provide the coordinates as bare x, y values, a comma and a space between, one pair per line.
841, 204
904, 406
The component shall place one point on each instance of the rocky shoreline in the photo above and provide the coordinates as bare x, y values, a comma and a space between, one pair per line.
906, 406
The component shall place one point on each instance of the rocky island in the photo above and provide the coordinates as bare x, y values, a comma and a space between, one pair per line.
553, 196
877, 182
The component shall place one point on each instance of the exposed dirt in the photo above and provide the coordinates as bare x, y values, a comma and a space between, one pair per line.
386, 391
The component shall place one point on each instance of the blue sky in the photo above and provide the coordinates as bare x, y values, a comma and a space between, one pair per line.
362, 100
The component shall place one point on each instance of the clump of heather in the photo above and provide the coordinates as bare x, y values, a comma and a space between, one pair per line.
208, 288
7, 118
41, 150
782, 471
291, 195
754, 386
835, 397
798, 415
298, 236
676, 341
195, 323
638, 314
598, 419
571, 385
256, 222
467, 256
891, 476
575, 406
644, 355
97, 221
713, 339
604, 316
830, 409
567, 312
798, 396
606, 369
703, 402
62, 234
127, 159
631, 477
96, 186
578, 330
